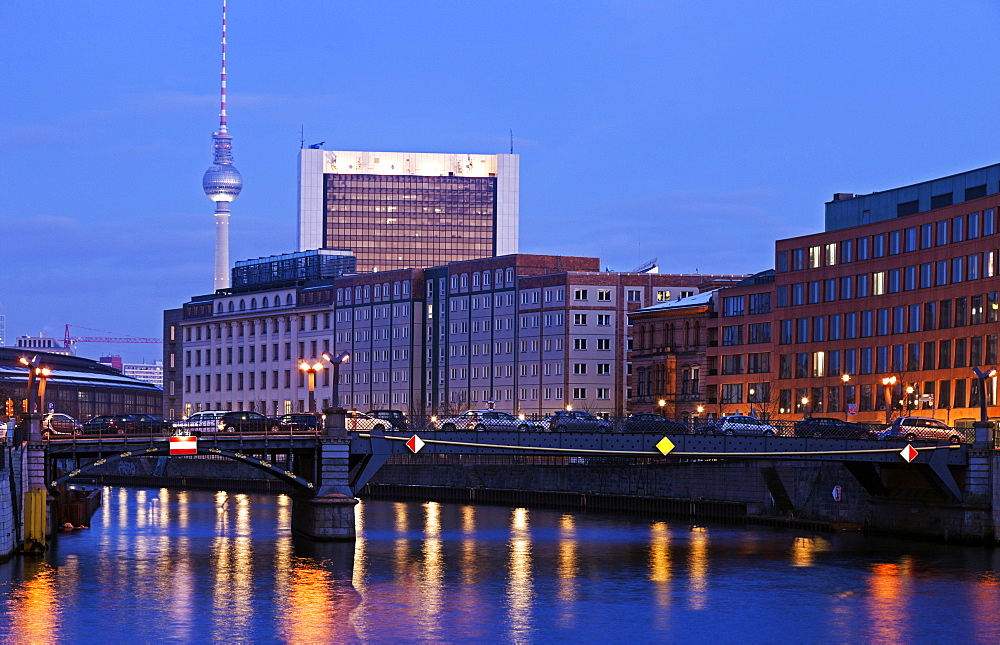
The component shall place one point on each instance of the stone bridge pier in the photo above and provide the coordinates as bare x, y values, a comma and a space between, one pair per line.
329, 514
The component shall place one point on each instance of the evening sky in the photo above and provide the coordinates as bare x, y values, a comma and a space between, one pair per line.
693, 132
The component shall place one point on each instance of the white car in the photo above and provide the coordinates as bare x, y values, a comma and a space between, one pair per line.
485, 420
204, 421
740, 424
360, 421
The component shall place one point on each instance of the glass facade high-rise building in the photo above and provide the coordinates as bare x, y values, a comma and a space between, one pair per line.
400, 210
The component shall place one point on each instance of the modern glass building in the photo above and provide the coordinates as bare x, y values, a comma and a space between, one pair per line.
400, 210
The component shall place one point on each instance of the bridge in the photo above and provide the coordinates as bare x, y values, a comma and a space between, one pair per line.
329, 467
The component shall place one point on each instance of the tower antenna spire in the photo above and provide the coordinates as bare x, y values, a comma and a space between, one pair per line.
222, 182
222, 111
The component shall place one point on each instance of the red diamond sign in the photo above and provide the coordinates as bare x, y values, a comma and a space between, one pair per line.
909, 453
415, 444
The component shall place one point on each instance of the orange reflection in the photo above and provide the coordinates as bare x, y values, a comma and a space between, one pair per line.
985, 607
316, 607
35, 606
519, 591
804, 550
659, 570
567, 571
888, 591
698, 568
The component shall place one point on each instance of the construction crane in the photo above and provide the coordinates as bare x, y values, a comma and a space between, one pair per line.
68, 340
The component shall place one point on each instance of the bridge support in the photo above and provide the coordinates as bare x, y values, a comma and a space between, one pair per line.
329, 514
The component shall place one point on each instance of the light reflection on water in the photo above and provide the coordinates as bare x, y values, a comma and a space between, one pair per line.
184, 566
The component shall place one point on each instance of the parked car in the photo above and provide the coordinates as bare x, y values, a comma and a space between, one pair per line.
395, 418
307, 421
740, 424
485, 420
246, 421
830, 427
570, 420
649, 422
204, 421
56, 424
360, 421
910, 428
126, 424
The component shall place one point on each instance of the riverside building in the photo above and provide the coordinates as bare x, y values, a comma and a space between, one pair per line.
887, 312
522, 333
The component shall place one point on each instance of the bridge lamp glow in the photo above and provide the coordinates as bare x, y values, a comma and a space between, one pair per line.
569, 406
521, 416
700, 409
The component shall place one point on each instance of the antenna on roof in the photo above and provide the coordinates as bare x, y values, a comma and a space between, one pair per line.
302, 137
512, 141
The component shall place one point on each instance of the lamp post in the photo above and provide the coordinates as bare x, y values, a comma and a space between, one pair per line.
982, 376
31, 364
335, 362
661, 403
751, 395
909, 398
846, 378
888, 382
43, 375
311, 370
805, 406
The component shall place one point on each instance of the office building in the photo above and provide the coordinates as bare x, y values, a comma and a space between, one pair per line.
522, 333
399, 210
886, 312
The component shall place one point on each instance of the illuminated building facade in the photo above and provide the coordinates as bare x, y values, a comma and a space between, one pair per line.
408, 210
520, 333
902, 284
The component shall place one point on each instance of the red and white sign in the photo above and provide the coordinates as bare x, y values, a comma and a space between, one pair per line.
836, 493
852, 408
909, 453
415, 444
183, 445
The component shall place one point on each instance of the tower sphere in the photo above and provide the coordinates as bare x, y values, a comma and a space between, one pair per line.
222, 182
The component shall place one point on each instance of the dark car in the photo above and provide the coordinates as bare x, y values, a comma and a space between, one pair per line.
126, 424
571, 420
395, 418
246, 421
830, 427
307, 421
649, 422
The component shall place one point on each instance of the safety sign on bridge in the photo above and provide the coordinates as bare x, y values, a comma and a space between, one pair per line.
183, 445
414, 443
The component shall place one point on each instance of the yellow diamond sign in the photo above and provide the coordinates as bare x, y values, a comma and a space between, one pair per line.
665, 445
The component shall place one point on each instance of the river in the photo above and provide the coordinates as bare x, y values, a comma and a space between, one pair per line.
190, 566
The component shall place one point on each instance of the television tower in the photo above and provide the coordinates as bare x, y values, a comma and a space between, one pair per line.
222, 182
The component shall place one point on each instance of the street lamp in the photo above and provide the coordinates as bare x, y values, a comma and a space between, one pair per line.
311, 370
888, 382
569, 406
342, 357
805, 402
846, 378
983, 415
661, 403
43, 375
30, 364
909, 397
750, 399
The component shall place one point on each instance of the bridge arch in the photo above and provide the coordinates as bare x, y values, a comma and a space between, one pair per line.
300, 484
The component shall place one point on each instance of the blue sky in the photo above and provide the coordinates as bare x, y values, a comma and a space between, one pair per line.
694, 132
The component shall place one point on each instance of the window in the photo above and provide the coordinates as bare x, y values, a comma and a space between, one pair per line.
603, 344
760, 303
830, 252
895, 242
580, 343
580, 368
634, 295
604, 320
579, 392
732, 306
604, 294
942, 232
732, 364
910, 241
759, 333
579, 319
958, 229
732, 335
604, 368
847, 251
815, 257
579, 294
662, 296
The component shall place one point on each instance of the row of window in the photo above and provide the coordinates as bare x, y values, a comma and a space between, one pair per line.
756, 333
909, 357
902, 319
232, 305
361, 293
907, 240
759, 303
879, 283
253, 327
527, 394
926, 395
